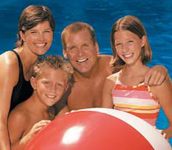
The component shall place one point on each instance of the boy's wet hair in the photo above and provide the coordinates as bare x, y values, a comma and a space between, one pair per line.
30, 17
54, 62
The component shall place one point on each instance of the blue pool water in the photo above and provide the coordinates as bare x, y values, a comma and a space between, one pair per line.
101, 14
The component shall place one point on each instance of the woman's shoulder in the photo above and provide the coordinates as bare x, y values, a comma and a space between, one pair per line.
9, 59
9, 65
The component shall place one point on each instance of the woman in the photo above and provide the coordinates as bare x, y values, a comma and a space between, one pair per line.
35, 35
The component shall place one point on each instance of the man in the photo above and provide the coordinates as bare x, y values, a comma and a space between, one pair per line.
80, 47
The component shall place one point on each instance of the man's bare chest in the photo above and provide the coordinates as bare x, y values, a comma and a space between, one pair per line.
85, 95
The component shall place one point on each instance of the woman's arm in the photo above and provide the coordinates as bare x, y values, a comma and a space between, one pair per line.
4, 143
8, 79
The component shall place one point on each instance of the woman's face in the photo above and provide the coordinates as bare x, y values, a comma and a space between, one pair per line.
38, 39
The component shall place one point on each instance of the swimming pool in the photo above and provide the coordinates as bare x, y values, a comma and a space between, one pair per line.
101, 14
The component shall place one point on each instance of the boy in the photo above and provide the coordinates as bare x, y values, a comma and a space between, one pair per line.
51, 78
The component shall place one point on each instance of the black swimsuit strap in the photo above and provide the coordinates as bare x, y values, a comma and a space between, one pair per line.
19, 61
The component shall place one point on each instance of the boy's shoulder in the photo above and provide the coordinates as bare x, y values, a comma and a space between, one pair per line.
20, 113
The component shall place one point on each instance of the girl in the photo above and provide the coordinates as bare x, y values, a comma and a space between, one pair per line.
125, 89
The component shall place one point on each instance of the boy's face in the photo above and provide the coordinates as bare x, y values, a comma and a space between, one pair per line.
50, 85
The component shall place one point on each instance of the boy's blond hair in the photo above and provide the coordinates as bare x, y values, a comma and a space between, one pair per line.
55, 62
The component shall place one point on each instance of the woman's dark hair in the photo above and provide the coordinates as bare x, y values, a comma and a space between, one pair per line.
30, 17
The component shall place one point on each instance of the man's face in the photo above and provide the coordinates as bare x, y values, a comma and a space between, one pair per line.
81, 51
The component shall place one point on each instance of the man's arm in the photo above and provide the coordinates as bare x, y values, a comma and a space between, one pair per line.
156, 76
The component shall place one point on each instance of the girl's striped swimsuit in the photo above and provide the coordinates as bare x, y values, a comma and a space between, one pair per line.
137, 100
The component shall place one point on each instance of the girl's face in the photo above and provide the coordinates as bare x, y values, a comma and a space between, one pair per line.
128, 46
38, 39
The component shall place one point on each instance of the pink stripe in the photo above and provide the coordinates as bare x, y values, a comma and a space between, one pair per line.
131, 94
151, 121
124, 87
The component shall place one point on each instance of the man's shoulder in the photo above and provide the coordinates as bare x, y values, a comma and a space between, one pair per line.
105, 59
105, 63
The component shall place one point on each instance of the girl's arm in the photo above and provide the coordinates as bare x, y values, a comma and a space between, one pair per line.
164, 94
8, 79
107, 92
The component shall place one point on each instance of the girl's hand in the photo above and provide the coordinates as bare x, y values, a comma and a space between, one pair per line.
167, 132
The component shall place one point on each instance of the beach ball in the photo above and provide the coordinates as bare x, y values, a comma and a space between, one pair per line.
98, 129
